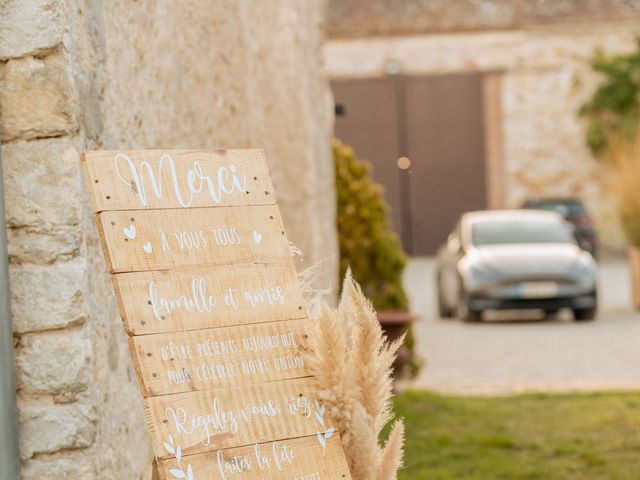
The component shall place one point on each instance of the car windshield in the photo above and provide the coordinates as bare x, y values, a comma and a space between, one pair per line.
505, 231
566, 209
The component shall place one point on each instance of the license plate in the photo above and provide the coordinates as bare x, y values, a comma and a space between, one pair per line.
538, 289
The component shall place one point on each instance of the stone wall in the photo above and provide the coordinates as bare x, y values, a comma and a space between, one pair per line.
544, 75
364, 18
78, 75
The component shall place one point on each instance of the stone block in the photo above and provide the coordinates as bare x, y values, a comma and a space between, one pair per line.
42, 181
37, 99
28, 245
30, 27
45, 297
53, 362
48, 429
70, 464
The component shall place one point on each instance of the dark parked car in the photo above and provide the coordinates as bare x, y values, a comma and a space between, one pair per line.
574, 212
514, 259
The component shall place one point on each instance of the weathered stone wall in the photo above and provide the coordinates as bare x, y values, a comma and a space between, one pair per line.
364, 18
78, 75
545, 77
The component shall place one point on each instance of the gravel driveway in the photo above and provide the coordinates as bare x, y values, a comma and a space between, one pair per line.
507, 354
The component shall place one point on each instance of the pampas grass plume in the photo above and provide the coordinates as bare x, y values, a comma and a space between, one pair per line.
352, 363
392, 454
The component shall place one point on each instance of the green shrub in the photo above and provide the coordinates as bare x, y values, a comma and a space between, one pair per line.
367, 243
613, 110
613, 113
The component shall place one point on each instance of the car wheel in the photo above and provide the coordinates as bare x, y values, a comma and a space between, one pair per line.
550, 313
469, 315
584, 314
444, 311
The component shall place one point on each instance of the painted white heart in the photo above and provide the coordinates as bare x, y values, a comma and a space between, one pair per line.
147, 247
130, 231
257, 237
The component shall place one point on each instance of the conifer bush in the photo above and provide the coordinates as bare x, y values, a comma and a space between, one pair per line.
367, 243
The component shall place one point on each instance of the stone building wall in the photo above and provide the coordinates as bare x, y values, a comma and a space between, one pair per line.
364, 18
544, 78
118, 74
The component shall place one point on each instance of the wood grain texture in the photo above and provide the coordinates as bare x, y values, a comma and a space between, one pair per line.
140, 240
138, 179
294, 459
220, 357
210, 420
204, 297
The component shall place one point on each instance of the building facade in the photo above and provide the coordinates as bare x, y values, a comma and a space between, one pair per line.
481, 97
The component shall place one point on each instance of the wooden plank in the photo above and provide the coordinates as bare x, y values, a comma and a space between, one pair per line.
220, 357
210, 420
139, 240
205, 297
139, 179
295, 459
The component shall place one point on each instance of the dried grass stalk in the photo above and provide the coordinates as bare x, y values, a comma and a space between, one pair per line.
352, 363
625, 157
392, 453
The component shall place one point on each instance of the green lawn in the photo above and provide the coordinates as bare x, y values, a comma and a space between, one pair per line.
535, 436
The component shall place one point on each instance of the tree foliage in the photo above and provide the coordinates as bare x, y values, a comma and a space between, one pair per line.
367, 243
613, 110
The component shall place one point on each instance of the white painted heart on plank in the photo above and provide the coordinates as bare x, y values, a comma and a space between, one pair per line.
130, 231
147, 247
257, 238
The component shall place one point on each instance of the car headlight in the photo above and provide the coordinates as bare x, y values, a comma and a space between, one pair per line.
473, 272
585, 271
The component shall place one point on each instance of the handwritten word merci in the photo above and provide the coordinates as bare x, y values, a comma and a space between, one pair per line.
201, 300
222, 181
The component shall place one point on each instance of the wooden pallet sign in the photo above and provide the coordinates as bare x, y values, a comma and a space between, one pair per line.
209, 296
